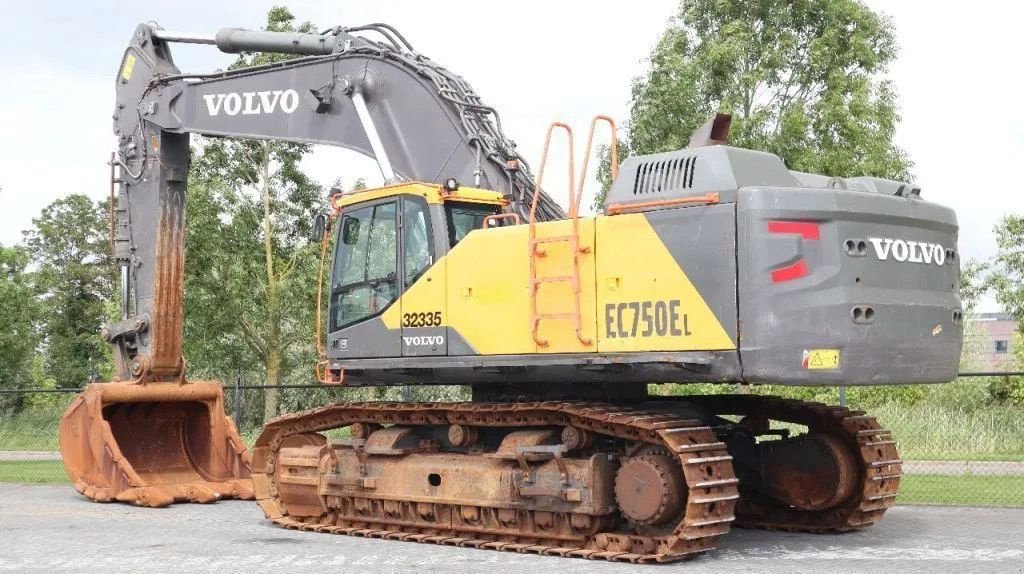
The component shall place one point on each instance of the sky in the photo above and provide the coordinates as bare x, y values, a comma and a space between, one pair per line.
535, 61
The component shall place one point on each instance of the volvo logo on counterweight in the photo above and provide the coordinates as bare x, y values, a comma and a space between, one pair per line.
252, 103
908, 251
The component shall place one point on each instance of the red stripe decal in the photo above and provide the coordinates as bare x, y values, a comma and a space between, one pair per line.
804, 229
790, 272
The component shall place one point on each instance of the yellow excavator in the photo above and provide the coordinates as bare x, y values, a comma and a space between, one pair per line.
708, 264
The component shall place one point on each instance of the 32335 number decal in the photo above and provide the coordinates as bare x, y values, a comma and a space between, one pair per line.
422, 319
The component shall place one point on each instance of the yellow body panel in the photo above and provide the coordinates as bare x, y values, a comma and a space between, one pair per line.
630, 285
633, 297
645, 301
488, 290
426, 295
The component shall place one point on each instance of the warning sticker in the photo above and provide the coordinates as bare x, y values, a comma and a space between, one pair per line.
821, 359
128, 68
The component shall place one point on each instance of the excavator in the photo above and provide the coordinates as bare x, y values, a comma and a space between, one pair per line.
709, 264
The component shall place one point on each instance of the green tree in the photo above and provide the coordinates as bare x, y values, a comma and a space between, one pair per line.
250, 270
18, 338
73, 279
1006, 279
973, 283
801, 78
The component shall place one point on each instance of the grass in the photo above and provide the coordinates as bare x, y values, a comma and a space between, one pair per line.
33, 471
34, 429
962, 490
930, 432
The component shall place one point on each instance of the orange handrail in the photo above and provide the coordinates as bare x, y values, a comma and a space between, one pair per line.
574, 241
320, 369
574, 208
543, 164
498, 217
618, 208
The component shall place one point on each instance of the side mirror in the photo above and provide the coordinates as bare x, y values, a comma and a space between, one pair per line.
350, 231
319, 227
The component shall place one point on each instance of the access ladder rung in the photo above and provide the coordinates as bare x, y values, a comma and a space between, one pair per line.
554, 239
555, 316
553, 279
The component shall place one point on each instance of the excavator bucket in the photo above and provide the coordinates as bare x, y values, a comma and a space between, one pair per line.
154, 444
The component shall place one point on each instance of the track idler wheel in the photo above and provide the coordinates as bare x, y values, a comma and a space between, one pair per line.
650, 489
810, 472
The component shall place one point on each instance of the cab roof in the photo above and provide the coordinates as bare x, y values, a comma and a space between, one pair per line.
434, 194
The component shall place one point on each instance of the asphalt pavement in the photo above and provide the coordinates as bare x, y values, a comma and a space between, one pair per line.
52, 529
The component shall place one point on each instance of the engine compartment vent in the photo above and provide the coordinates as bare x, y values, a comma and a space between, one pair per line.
664, 175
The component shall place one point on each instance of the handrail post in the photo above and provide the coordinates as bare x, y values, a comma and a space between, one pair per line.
543, 165
575, 207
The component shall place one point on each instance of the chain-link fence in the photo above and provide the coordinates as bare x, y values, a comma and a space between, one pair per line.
953, 453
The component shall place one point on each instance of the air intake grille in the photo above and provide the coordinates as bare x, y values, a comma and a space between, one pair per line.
659, 176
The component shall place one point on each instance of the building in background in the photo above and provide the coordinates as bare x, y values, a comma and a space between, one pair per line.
995, 332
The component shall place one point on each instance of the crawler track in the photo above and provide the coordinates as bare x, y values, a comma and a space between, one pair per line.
714, 498
711, 486
878, 461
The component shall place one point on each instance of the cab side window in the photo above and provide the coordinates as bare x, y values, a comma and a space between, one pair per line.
416, 238
465, 217
366, 264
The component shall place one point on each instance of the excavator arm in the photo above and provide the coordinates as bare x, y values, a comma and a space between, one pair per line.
148, 438
380, 98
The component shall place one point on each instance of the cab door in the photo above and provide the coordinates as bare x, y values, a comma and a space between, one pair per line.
423, 313
366, 283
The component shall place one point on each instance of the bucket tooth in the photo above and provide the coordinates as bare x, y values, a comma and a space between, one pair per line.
154, 444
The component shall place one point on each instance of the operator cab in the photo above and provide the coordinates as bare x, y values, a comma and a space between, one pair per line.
386, 241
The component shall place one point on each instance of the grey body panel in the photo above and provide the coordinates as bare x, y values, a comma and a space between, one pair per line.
702, 240
693, 172
912, 335
369, 338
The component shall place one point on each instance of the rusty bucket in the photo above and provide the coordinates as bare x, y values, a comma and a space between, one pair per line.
154, 444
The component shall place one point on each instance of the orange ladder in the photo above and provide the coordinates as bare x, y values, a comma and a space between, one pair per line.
573, 277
